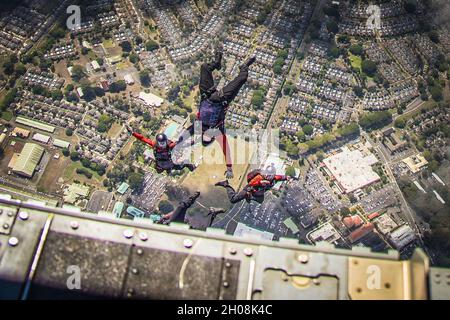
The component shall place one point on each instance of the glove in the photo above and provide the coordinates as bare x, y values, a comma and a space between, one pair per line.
229, 173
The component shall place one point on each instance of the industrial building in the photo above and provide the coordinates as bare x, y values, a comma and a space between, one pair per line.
150, 99
61, 143
402, 236
42, 138
416, 163
351, 169
26, 162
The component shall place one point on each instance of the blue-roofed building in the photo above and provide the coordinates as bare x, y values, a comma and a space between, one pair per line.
135, 212
155, 217
118, 208
123, 188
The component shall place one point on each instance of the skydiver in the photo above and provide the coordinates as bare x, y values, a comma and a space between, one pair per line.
162, 150
214, 104
179, 214
258, 184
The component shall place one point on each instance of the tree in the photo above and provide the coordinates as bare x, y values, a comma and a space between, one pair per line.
133, 57
74, 156
65, 152
410, 6
165, 207
332, 26
292, 150
333, 52
356, 49
88, 93
69, 132
368, 67
400, 123
290, 171
117, 86
308, 129
345, 212
434, 36
20, 69
375, 120
144, 77
57, 95
78, 72
258, 98
135, 180
436, 92
151, 45
8, 67
104, 123
126, 46
331, 11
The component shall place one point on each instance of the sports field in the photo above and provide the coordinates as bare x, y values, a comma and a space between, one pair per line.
212, 169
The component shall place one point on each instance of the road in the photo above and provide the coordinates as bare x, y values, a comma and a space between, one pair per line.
410, 215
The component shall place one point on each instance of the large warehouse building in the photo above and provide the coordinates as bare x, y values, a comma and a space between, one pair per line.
26, 162
352, 169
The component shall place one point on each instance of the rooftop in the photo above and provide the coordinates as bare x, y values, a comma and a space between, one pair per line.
351, 169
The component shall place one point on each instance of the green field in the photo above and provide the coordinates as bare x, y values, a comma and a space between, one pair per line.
108, 43
69, 172
355, 61
7, 115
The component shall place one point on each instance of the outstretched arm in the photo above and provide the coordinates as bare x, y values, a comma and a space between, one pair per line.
279, 177
148, 141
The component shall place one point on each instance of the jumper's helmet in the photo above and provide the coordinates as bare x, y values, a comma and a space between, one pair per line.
161, 140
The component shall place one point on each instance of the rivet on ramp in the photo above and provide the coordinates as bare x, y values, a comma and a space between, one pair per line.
74, 225
143, 236
13, 241
248, 252
303, 258
128, 233
23, 215
188, 243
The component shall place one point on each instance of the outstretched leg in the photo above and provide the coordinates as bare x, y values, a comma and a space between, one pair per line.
206, 79
233, 196
206, 76
231, 89
179, 213
190, 166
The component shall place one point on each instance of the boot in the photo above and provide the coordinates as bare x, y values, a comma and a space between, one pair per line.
191, 167
215, 211
218, 57
222, 184
192, 198
247, 63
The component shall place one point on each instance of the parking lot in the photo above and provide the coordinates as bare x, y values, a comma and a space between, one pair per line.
321, 193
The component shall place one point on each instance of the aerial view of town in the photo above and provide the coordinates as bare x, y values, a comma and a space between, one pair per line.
357, 92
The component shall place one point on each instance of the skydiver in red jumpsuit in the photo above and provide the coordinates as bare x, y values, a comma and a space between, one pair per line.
162, 150
258, 184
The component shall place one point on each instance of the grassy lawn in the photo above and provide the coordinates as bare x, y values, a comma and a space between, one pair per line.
108, 43
189, 100
91, 55
7, 115
121, 65
355, 61
115, 130
69, 173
